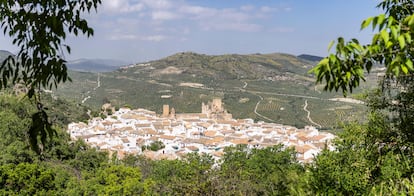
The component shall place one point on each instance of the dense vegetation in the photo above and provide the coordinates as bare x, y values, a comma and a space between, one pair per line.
72, 168
373, 158
362, 164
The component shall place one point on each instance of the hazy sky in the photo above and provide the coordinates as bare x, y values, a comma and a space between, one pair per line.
140, 30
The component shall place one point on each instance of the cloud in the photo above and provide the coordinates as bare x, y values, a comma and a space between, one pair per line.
122, 6
247, 8
242, 27
158, 4
267, 9
164, 15
154, 38
225, 19
152, 17
119, 37
197, 11
132, 37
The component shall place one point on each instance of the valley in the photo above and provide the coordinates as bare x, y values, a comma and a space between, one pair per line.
264, 87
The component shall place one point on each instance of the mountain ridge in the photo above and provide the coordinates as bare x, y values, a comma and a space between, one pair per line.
227, 66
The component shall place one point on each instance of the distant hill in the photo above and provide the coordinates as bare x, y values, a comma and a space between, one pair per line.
229, 66
95, 65
310, 57
83, 65
4, 54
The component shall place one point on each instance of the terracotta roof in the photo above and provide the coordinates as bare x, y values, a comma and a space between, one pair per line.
240, 141
210, 133
168, 137
318, 137
229, 131
153, 138
150, 131
106, 123
205, 125
218, 153
267, 131
128, 128
125, 140
192, 148
304, 148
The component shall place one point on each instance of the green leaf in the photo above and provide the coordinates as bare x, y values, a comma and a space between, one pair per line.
330, 45
411, 20
394, 32
385, 36
408, 39
389, 44
404, 69
409, 64
401, 41
366, 22
348, 75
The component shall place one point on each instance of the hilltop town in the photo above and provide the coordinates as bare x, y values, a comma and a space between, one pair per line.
131, 131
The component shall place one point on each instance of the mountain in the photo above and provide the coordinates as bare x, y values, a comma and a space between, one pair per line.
95, 65
230, 66
310, 57
84, 65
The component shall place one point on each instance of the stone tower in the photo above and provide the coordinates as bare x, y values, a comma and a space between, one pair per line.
217, 105
165, 110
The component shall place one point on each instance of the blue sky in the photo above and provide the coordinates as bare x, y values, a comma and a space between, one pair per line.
141, 30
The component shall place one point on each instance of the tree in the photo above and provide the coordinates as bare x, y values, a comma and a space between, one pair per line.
268, 171
391, 46
376, 157
116, 180
39, 29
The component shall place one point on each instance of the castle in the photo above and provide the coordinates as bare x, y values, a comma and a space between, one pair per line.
215, 110
212, 110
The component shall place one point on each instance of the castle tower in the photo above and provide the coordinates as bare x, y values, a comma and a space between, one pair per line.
217, 106
172, 113
165, 110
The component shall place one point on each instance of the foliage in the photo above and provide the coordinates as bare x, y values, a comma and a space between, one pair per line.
116, 180
391, 46
373, 158
190, 176
39, 29
363, 161
26, 179
154, 146
268, 171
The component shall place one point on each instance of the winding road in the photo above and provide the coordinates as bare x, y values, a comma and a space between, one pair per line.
257, 105
309, 118
94, 89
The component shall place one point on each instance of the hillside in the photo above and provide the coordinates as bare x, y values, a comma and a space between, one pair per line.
233, 66
95, 65
269, 87
310, 57
4, 54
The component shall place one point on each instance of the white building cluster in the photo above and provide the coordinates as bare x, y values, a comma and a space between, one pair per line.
126, 131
